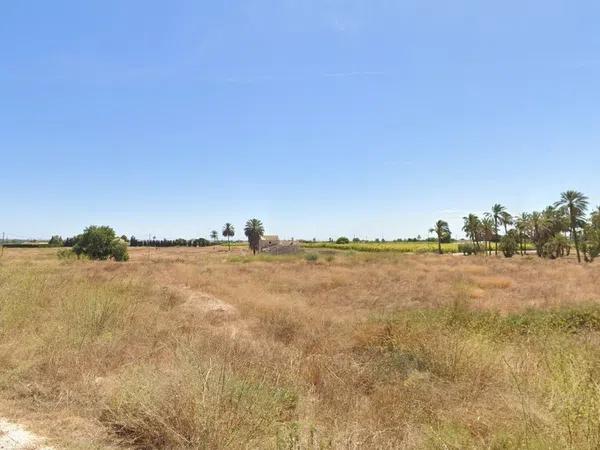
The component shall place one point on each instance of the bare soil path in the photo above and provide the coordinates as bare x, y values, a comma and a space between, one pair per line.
15, 437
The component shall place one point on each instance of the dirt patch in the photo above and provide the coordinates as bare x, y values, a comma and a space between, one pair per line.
205, 303
16, 437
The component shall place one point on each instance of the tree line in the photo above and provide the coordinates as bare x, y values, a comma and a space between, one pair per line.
552, 232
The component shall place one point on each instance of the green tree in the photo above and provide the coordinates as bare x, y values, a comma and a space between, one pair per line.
509, 243
100, 243
254, 230
497, 211
342, 240
506, 219
489, 233
595, 218
521, 225
442, 230
56, 241
576, 205
228, 232
472, 228
214, 235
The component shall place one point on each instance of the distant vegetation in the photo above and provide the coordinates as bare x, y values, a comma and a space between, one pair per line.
552, 231
199, 242
100, 243
401, 247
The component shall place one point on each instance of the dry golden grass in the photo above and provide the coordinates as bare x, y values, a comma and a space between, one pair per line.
189, 348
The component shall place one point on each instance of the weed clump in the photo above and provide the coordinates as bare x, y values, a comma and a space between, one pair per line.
311, 257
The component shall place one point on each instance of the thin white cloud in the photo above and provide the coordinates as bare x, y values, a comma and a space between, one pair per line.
354, 74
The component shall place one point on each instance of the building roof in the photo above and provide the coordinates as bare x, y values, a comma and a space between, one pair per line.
270, 238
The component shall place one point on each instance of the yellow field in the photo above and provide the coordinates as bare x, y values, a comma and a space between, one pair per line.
404, 247
202, 348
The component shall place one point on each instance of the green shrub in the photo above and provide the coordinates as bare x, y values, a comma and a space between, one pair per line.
467, 249
119, 250
311, 257
556, 247
590, 246
342, 240
100, 243
509, 244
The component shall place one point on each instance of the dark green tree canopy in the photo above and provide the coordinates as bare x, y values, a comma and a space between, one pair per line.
56, 241
228, 230
254, 230
100, 242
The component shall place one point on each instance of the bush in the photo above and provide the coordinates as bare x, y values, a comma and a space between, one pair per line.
509, 244
119, 250
590, 246
556, 247
342, 240
311, 257
100, 243
467, 249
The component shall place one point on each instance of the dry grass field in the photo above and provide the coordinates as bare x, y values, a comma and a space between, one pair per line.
201, 348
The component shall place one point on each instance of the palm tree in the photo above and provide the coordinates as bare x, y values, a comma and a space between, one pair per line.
595, 217
576, 204
442, 230
228, 232
489, 232
506, 219
522, 225
497, 211
472, 228
214, 235
254, 230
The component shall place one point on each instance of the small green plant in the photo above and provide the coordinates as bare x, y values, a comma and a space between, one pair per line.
311, 257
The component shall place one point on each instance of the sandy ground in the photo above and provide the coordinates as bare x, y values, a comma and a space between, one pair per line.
16, 437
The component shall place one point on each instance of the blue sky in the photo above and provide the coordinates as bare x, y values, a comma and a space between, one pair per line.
322, 118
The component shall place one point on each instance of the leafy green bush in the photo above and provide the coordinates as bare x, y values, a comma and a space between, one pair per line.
100, 243
467, 249
119, 250
556, 247
591, 244
509, 244
342, 240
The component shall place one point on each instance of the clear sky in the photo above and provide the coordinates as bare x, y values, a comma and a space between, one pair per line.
321, 117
